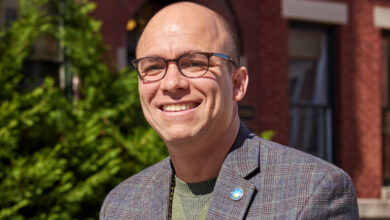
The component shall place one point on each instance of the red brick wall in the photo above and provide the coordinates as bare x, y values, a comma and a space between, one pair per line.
264, 35
114, 16
359, 106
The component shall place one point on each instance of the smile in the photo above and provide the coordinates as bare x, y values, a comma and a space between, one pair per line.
178, 107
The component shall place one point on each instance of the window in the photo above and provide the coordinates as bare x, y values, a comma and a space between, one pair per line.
310, 73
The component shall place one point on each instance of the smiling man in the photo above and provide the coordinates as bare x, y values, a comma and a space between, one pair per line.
189, 84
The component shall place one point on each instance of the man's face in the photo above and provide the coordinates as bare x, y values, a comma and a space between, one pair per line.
182, 109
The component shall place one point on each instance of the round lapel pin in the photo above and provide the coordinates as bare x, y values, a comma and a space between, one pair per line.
236, 194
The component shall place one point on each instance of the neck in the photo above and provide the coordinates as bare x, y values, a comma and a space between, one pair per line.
201, 160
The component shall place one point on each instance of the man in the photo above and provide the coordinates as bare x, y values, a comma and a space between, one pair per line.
189, 85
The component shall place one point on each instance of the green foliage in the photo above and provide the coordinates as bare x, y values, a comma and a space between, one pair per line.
60, 157
268, 135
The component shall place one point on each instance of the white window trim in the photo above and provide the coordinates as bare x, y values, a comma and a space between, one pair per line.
375, 208
317, 11
382, 17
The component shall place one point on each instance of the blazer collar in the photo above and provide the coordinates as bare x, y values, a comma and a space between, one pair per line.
241, 161
158, 200
239, 164
243, 157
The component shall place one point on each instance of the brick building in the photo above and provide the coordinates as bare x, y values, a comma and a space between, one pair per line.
319, 77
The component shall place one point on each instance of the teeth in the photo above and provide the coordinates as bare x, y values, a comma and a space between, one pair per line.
177, 107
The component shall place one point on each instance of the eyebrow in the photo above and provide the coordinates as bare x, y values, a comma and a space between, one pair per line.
177, 54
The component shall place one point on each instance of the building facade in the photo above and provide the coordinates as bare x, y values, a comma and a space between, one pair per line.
319, 77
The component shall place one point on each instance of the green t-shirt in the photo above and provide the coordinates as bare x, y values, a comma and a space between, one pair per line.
191, 201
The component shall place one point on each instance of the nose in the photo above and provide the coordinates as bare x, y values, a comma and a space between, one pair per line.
174, 80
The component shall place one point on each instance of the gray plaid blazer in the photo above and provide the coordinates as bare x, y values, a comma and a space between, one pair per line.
278, 183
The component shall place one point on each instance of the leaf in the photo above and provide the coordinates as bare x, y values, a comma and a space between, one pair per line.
268, 135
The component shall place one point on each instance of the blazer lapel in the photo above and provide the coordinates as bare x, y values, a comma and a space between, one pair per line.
159, 194
242, 161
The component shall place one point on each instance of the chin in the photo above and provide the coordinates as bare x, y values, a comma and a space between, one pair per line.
178, 136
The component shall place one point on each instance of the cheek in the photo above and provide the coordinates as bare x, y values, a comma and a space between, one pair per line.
221, 95
146, 93
226, 88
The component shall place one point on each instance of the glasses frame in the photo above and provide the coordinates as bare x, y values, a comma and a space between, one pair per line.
207, 54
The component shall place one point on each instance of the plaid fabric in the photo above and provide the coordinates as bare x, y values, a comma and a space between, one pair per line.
278, 183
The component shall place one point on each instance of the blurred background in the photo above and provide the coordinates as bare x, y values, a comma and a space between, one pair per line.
71, 127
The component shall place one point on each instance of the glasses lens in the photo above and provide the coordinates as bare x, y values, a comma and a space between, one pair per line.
193, 65
151, 68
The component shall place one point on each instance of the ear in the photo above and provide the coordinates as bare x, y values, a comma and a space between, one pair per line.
240, 83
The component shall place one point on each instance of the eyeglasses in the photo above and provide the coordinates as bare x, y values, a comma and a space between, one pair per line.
191, 65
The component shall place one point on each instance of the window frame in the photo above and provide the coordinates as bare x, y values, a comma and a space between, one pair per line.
332, 88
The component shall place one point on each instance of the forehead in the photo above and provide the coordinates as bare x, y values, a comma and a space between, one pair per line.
179, 31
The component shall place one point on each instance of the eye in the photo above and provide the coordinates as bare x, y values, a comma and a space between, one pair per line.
151, 66
153, 69
193, 64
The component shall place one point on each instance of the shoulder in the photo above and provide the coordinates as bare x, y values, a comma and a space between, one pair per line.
289, 175
281, 157
139, 181
275, 161
305, 170
146, 176
274, 156
132, 191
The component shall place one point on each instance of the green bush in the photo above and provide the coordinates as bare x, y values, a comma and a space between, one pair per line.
60, 156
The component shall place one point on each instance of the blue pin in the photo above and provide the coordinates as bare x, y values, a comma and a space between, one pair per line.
236, 194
